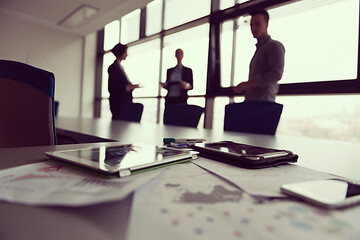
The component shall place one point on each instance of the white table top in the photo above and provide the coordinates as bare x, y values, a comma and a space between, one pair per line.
110, 220
340, 158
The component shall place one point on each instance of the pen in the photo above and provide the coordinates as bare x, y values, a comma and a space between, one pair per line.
178, 145
183, 140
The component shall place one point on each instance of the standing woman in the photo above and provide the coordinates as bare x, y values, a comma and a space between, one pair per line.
119, 86
179, 80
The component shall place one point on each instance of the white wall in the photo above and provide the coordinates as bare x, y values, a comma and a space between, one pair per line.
58, 52
88, 83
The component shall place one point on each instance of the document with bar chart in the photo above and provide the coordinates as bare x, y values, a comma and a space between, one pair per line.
50, 184
187, 202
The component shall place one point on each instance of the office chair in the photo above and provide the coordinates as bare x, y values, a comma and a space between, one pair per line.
130, 112
26, 105
56, 107
183, 115
260, 117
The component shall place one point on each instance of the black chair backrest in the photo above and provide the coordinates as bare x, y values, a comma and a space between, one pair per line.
56, 107
183, 115
26, 105
130, 112
261, 117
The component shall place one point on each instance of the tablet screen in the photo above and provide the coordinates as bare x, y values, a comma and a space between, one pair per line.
115, 158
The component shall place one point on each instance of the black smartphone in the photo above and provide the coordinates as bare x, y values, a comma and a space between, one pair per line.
244, 155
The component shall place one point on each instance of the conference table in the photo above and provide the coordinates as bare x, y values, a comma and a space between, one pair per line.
336, 157
143, 213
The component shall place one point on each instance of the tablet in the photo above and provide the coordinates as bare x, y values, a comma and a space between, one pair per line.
243, 155
123, 160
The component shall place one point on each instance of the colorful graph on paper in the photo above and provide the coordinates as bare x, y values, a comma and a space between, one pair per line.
186, 202
265, 182
47, 183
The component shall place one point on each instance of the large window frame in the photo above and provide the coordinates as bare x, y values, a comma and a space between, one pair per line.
340, 86
213, 85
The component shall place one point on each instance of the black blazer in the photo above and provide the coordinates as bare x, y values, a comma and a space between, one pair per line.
117, 87
186, 75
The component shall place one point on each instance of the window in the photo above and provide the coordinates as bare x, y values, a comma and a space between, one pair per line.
320, 38
130, 27
153, 17
226, 4
150, 109
111, 35
219, 112
142, 66
329, 117
109, 58
245, 48
238, 44
229, 3
321, 41
105, 109
179, 12
194, 42
226, 45
199, 101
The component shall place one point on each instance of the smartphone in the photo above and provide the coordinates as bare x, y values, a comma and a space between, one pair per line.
243, 155
329, 193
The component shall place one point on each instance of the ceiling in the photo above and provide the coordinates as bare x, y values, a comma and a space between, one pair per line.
50, 12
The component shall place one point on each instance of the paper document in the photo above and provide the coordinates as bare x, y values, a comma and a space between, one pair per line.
187, 202
263, 182
48, 183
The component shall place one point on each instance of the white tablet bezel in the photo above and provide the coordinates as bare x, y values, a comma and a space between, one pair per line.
102, 167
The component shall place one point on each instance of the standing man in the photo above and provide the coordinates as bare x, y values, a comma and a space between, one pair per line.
179, 80
267, 64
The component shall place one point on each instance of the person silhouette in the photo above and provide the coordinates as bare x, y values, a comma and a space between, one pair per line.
179, 80
119, 86
266, 66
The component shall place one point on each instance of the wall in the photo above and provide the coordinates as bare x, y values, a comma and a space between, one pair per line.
58, 52
88, 79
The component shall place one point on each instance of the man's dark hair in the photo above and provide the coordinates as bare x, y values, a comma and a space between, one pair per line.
261, 12
119, 49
